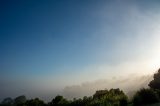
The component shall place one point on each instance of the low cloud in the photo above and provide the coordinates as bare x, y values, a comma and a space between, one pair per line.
128, 84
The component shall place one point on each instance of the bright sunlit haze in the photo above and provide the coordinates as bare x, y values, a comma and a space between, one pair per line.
51, 47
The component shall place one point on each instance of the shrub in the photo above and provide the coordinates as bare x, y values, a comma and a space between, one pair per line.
145, 96
113, 97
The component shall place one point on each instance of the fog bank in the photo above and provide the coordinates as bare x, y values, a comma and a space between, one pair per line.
128, 84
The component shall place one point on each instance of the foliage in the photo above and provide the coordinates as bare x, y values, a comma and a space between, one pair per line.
145, 96
35, 102
113, 97
59, 101
8, 101
155, 83
20, 100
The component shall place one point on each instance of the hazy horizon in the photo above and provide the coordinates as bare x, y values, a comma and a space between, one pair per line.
52, 47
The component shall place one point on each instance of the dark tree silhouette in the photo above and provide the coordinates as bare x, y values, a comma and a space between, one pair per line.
100, 93
155, 83
20, 100
112, 97
145, 96
8, 101
35, 102
59, 101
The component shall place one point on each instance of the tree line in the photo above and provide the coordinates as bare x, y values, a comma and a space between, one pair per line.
112, 97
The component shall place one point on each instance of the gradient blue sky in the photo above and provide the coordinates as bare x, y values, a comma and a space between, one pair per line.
50, 44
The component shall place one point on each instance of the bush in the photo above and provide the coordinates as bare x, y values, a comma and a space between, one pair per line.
7, 101
155, 83
145, 96
59, 101
123, 102
35, 102
112, 97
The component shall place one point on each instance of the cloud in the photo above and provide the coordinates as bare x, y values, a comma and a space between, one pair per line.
128, 84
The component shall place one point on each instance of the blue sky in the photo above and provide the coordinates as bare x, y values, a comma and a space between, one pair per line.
56, 43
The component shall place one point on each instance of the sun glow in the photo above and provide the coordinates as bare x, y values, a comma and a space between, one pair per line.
155, 63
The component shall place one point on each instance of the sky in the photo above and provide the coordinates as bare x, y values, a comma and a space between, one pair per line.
46, 45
